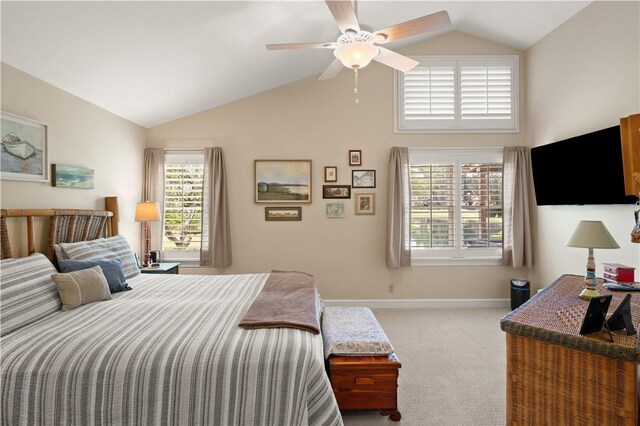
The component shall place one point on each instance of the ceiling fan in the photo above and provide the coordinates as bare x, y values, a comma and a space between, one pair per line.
358, 45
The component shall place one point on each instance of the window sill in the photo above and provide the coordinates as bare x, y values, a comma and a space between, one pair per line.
462, 261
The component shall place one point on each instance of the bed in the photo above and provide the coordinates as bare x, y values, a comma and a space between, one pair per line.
168, 352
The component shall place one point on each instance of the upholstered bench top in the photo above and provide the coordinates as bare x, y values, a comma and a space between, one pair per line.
353, 332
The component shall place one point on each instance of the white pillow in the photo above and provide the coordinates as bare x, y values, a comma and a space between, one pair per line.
102, 248
27, 291
81, 287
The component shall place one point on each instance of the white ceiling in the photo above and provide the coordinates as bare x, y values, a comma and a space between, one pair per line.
151, 62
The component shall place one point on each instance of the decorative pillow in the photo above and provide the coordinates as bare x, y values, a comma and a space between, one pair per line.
111, 269
27, 291
81, 287
102, 248
353, 332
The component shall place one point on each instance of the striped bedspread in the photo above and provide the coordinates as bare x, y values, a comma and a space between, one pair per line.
169, 352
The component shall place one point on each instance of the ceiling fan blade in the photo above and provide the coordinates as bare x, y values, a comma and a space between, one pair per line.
395, 60
344, 13
425, 24
332, 70
284, 46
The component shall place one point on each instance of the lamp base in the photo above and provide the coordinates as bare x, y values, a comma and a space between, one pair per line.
590, 284
588, 293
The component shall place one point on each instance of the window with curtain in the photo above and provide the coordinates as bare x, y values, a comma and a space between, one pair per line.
183, 184
458, 94
456, 206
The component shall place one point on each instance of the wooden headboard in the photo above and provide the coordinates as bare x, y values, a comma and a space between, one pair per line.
65, 226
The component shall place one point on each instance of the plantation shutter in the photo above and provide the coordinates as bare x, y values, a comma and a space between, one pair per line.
456, 203
458, 94
481, 204
485, 93
429, 93
183, 204
432, 205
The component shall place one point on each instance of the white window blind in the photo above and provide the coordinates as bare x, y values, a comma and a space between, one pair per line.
456, 204
458, 94
429, 93
183, 205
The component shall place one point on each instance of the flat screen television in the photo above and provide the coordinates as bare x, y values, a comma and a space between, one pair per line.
585, 169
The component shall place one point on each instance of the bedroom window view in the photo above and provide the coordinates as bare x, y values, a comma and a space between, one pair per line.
456, 206
182, 234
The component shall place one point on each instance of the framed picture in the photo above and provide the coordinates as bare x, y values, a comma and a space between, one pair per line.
72, 177
355, 157
330, 174
336, 191
282, 213
335, 209
365, 203
282, 181
363, 178
23, 155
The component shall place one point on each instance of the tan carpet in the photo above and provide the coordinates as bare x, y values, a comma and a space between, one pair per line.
453, 367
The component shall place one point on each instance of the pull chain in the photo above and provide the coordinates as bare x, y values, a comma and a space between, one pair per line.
355, 90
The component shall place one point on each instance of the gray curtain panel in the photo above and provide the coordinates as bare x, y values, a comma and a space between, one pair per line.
153, 190
398, 238
216, 236
517, 250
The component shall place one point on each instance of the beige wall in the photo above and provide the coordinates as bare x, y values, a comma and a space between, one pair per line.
583, 77
319, 120
79, 134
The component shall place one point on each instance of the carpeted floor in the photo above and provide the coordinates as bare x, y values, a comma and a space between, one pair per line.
453, 367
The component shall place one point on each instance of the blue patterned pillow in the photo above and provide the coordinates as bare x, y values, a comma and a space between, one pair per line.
111, 268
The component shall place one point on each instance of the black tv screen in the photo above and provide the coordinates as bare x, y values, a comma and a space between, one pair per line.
585, 169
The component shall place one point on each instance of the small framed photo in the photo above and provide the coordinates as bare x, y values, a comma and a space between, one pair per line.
23, 152
335, 210
330, 174
355, 157
365, 203
363, 178
282, 214
336, 191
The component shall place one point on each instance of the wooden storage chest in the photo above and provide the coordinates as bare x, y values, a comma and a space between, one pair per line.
366, 383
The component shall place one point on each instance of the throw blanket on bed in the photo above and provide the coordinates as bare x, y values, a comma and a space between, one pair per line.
170, 352
288, 299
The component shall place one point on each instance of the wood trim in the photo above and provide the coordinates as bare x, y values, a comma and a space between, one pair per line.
630, 139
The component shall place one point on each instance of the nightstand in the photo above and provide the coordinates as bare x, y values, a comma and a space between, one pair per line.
164, 268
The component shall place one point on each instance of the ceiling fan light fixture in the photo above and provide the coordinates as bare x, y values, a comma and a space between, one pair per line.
356, 55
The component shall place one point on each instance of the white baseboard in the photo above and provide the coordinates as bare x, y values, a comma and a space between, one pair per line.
421, 303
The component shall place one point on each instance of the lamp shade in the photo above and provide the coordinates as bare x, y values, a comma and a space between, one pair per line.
147, 212
357, 54
592, 234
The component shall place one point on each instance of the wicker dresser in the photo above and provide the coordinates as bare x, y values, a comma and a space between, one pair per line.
555, 376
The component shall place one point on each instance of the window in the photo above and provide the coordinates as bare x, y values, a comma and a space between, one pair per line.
183, 176
458, 94
456, 205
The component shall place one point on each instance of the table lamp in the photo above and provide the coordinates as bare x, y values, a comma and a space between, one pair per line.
147, 212
591, 234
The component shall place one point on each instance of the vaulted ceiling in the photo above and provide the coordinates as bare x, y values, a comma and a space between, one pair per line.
151, 62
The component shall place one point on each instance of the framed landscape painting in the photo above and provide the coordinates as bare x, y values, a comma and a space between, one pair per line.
23, 154
72, 177
282, 181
